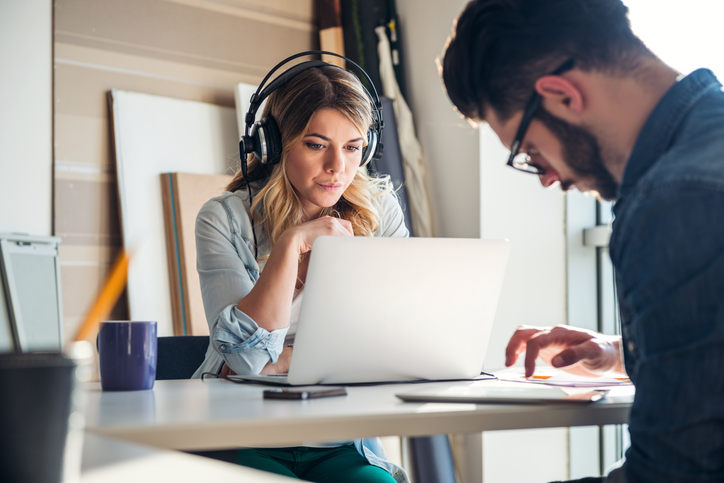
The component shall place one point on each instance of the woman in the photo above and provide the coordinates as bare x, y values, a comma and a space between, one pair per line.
253, 257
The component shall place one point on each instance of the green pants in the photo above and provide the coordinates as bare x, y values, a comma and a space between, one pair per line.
320, 465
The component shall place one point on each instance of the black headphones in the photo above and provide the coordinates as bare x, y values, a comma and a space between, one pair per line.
263, 137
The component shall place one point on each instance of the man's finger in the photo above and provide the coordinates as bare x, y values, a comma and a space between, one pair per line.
535, 344
532, 349
516, 345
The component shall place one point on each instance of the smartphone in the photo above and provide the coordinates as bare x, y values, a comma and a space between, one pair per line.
304, 393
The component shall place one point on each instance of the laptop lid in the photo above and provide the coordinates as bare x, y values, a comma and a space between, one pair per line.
396, 309
492, 392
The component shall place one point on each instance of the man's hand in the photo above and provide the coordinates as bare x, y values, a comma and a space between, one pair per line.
281, 366
578, 351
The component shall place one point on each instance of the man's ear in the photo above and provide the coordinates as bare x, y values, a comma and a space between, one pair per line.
560, 97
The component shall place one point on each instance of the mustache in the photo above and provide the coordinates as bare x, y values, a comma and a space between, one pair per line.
566, 185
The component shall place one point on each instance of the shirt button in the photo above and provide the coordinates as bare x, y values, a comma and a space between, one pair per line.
631, 346
222, 347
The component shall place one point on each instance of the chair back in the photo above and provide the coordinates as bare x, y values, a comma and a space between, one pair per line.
180, 356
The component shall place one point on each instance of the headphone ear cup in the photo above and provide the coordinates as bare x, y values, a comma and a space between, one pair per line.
267, 141
368, 152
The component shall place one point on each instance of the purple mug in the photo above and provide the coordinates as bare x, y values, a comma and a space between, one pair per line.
127, 351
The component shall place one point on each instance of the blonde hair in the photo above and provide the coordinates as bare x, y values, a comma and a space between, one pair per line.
292, 107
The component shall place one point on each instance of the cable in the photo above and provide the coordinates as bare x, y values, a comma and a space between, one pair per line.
484, 376
251, 211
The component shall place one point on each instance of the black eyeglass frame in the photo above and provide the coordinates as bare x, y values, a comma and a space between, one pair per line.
528, 114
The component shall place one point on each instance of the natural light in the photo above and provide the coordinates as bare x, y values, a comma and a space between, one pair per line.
686, 34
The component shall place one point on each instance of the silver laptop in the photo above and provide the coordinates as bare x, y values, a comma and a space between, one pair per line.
395, 309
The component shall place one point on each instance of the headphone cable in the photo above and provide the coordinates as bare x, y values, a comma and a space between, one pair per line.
251, 211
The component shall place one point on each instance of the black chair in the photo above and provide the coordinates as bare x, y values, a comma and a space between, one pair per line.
180, 356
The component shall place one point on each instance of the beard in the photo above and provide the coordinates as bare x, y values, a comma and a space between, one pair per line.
582, 153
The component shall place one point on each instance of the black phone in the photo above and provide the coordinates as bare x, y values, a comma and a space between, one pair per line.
304, 393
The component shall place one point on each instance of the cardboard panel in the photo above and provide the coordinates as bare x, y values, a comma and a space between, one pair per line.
242, 99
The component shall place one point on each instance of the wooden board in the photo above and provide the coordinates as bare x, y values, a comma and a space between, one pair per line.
183, 196
154, 135
331, 36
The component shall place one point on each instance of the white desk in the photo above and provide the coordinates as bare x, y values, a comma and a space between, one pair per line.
217, 414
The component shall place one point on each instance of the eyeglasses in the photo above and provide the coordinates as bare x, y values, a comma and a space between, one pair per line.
522, 161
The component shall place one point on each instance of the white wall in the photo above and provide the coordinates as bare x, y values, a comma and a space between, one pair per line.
26, 116
474, 194
449, 143
516, 207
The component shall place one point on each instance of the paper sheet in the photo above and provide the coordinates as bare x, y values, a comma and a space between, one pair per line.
555, 377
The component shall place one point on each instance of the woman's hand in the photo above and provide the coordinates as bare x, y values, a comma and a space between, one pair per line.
575, 350
281, 366
269, 302
305, 234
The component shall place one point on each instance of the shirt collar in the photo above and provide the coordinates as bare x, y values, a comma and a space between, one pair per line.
659, 130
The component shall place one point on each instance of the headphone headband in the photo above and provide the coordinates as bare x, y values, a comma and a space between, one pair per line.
262, 93
263, 138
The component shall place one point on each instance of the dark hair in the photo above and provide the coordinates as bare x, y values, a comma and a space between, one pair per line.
500, 47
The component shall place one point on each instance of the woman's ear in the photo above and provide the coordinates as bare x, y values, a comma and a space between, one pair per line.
560, 97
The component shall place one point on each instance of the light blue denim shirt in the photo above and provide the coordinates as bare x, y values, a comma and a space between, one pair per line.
667, 248
228, 271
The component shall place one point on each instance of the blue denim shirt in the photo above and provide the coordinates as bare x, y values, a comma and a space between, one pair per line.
667, 249
228, 271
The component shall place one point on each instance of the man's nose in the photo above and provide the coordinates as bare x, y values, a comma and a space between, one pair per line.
549, 178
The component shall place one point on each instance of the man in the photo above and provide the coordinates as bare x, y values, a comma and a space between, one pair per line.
581, 102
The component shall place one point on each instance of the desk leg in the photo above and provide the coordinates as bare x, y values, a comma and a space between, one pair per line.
432, 460
467, 451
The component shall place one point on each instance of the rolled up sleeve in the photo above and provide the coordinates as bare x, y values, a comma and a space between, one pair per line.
245, 346
227, 273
